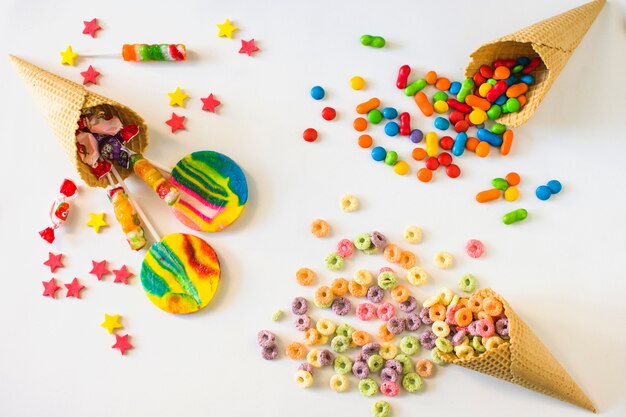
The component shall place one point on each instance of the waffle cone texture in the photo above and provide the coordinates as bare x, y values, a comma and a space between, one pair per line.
553, 39
61, 102
525, 361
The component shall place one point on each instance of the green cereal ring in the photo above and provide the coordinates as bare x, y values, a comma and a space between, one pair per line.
407, 365
409, 345
368, 387
334, 261
375, 363
434, 356
387, 280
467, 283
344, 330
478, 345
276, 315
455, 301
500, 183
444, 345
375, 116
342, 365
440, 96
498, 128
320, 305
381, 409
362, 241
412, 382
371, 251
340, 344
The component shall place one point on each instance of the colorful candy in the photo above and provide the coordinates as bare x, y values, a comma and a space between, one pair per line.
154, 52
357, 83
544, 192
514, 216
127, 217
310, 135
373, 41
403, 76
59, 211
317, 92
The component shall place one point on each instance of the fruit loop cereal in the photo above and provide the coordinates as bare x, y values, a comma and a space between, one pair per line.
474, 248
413, 234
320, 228
444, 260
349, 203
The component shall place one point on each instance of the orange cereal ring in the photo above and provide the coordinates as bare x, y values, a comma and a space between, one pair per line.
319, 228
424, 368
400, 294
324, 295
295, 350
311, 336
475, 303
463, 316
339, 286
462, 302
361, 338
357, 289
305, 276
437, 312
392, 253
442, 84
407, 259
481, 315
365, 141
492, 306
384, 333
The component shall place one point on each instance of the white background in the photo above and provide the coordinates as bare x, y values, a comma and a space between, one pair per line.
562, 269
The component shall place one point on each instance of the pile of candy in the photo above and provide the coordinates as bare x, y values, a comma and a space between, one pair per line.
446, 324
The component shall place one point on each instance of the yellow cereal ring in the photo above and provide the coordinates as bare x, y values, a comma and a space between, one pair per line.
413, 234
363, 277
400, 294
320, 228
446, 296
313, 358
464, 352
392, 253
295, 350
339, 383
305, 276
416, 276
323, 295
388, 350
357, 289
349, 203
440, 328
325, 327
303, 379
444, 260
407, 259
435, 299
339, 286
322, 339
311, 336
493, 342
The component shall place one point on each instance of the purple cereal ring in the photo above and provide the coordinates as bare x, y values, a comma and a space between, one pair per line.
306, 367
425, 316
360, 369
428, 339
474, 248
388, 374
385, 311
265, 338
395, 325
361, 357
378, 239
394, 365
375, 294
485, 328
370, 349
269, 352
365, 311
471, 328
299, 306
458, 337
325, 357
409, 305
341, 306
303, 323
345, 248
413, 322
502, 326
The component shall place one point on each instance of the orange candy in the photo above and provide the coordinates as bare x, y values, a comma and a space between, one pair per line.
424, 175
471, 143
365, 141
482, 149
522, 100
431, 77
516, 90
442, 84
488, 195
423, 103
507, 141
360, 124
501, 73
419, 154
479, 102
370, 104
512, 178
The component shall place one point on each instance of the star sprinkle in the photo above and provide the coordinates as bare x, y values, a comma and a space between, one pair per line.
99, 269
210, 103
50, 288
74, 288
91, 27
54, 261
176, 122
122, 275
90, 76
122, 343
247, 47
226, 29
96, 221
111, 323
68, 56
177, 97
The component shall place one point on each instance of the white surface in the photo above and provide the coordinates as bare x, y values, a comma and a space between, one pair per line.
562, 269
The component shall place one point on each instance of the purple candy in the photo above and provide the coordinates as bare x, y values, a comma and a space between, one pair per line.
409, 305
306, 367
360, 369
428, 339
375, 294
471, 328
395, 325
341, 306
378, 239
303, 323
394, 365
458, 337
416, 136
269, 352
413, 322
370, 349
299, 306
325, 357
389, 375
425, 317
502, 326
265, 338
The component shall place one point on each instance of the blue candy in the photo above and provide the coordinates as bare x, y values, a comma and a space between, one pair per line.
543, 192
317, 92
442, 123
501, 100
379, 153
455, 87
390, 113
554, 186
527, 79
416, 136
523, 60
489, 137
459, 144
392, 129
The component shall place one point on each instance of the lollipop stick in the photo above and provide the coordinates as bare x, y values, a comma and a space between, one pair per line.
104, 55
140, 212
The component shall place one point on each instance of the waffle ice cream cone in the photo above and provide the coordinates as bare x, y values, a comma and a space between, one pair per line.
525, 361
553, 39
62, 100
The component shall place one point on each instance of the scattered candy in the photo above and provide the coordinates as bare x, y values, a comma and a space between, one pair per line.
226, 29
90, 76
68, 56
122, 275
248, 47
176, 122
514, 216
177, 97
127, 217
111, 323
91, 27
373, 41
97, 221
122, 343
99, 269
310, 135
210, 103
544, 192
328, 113
357, 83
60, 210
54, 261
74, 288
317, 92
50, 288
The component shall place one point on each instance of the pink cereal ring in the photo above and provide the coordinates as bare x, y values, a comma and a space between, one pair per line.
390, 389
385, 311
450, 313
365, 311
345, 248
484, 328
384, 269
474, 248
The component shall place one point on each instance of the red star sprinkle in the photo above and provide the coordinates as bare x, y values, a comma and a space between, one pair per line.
54, 261
247, 47
99, 269
74, 288
50, 288
122, 275
176, 122
210, 103
122, 343
90, 76
91, 27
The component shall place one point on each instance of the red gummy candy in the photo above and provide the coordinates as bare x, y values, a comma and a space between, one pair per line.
47, 234
68, 188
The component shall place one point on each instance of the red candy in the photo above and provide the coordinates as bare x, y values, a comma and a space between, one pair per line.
453, 171
446, 143
531, 65
68, 188
456, 116
509, 63
310, 135
479, 79
456, 105
47, 234
461, 126
432, 163
496, 91
444, 159
328, 113
405, 124
486, 71
403, 76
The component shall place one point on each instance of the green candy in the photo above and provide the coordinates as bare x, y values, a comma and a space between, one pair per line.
375, 116
344, 330
414, 87
373, 41
440, 96
363, 241
498, 128
333, 261
391, 158
381, 409
342, 365
494, 112
340, 344
409, 345
515, 216
517, 69
375, 363
156, 54
368, 387
491, 81
500, 184
467, 283
366, 40
466, 89
407, 365
144, 52
412, 382
387, 280
512, 105
444, 345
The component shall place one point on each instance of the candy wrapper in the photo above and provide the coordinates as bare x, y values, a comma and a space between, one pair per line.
59, 211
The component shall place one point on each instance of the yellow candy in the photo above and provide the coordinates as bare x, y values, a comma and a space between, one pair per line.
401, 168
432, 144
511, 194
440, 106
484, 89
477, 116
357, 83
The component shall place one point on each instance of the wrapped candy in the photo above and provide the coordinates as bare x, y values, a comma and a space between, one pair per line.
157, 52
127, 217
59, 211
151, 176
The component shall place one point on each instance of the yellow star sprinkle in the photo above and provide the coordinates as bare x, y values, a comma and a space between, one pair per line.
111, 323
177, 97
96, 221
68, 56
226, 29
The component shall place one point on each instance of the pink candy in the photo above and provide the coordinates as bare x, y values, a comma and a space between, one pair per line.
365, 311
385, 311
474, 248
